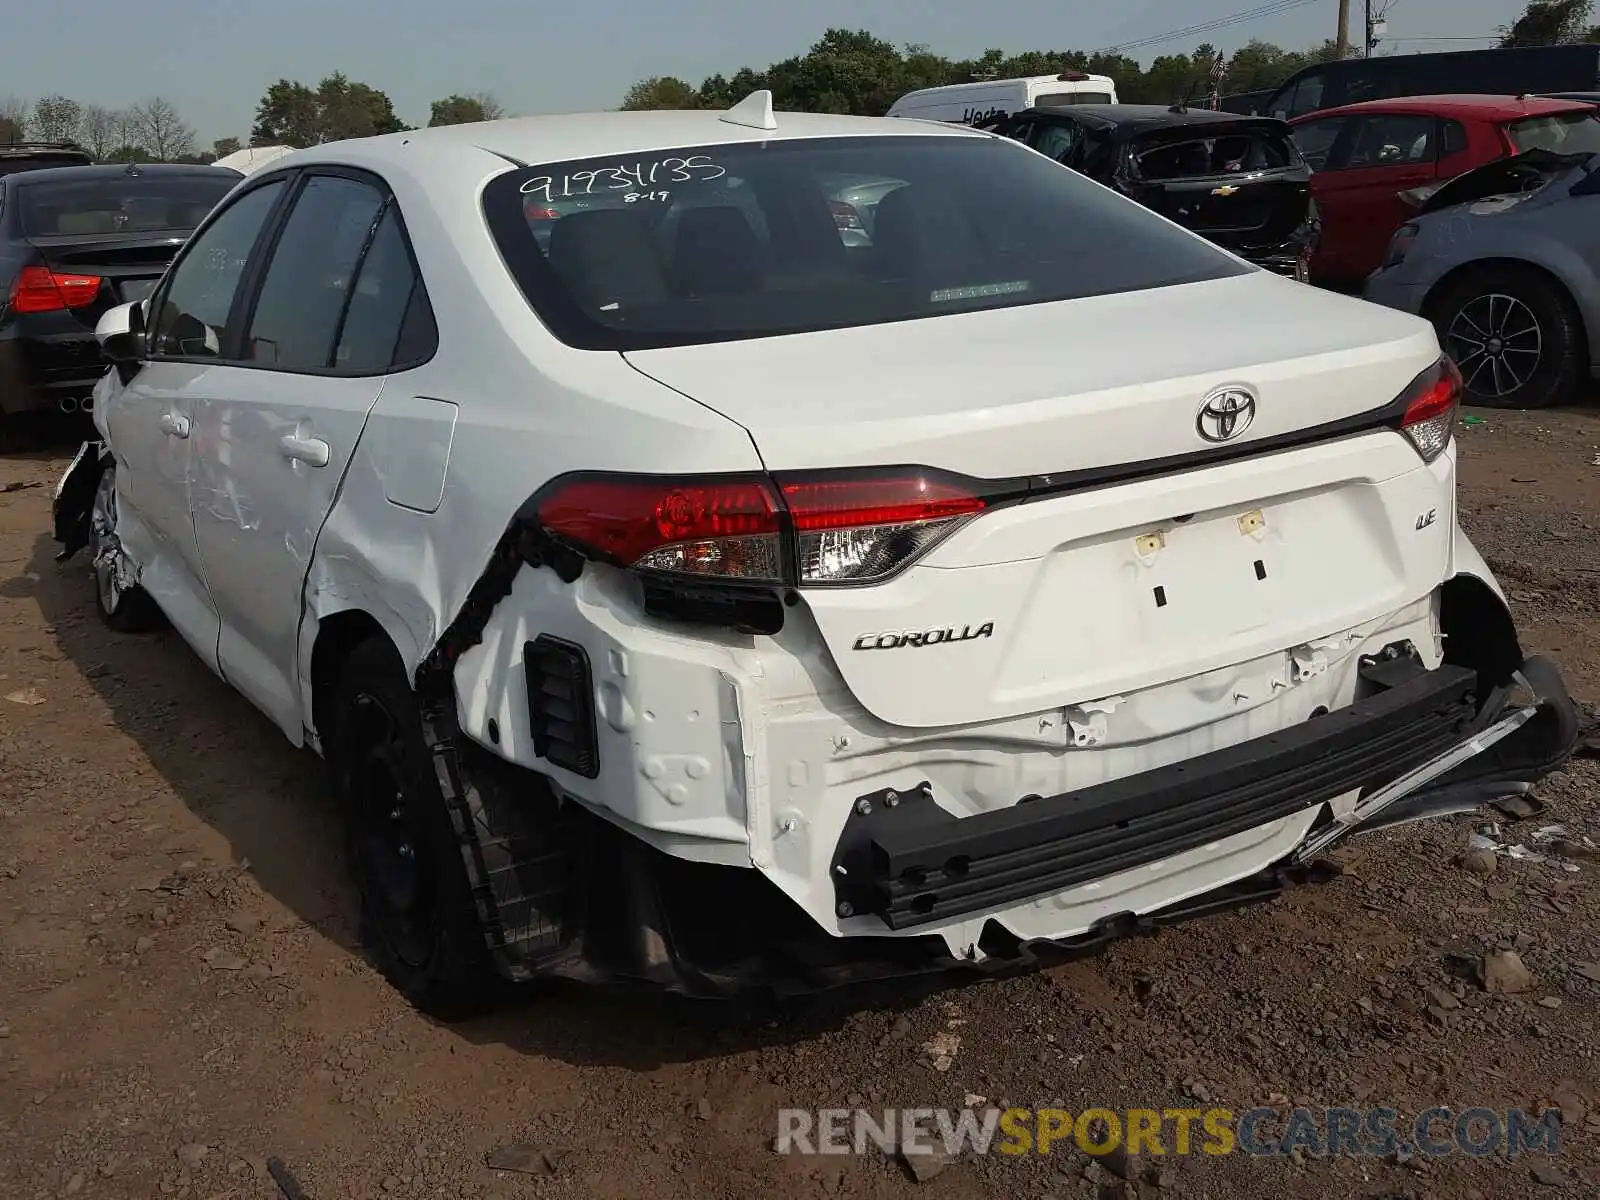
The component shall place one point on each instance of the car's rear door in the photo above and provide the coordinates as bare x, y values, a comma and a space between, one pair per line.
320, 335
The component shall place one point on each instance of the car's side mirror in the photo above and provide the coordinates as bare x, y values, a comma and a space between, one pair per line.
120, 332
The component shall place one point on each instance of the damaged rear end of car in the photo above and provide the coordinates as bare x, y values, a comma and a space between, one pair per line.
993, 657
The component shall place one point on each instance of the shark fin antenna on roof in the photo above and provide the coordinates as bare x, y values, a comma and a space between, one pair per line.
753, 112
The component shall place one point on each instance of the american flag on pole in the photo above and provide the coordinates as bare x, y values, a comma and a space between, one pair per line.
1219, 71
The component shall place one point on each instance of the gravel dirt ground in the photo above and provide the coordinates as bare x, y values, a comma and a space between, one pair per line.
183, 997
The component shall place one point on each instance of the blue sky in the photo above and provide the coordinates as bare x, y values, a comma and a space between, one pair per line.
214, 58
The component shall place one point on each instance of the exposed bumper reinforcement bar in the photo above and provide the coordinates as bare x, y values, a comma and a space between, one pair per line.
912, 863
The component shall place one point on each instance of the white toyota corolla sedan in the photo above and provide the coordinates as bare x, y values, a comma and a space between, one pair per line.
690, 577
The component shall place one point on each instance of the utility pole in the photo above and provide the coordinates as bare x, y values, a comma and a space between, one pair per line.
1343, 42
1366, 42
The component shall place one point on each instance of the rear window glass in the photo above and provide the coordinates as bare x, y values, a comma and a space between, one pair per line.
1563, 133
1169, 157
1062, 99
120, 204
711, 243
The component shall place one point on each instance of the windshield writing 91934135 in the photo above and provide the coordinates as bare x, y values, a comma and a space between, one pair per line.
624, 177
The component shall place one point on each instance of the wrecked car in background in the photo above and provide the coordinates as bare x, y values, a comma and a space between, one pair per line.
1505, 261
1237, 181
688, 593
1376, 161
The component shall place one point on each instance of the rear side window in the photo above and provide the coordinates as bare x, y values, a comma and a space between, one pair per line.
303, 293
710, 243
153, 203
1561, 133
386, 290
1452, 138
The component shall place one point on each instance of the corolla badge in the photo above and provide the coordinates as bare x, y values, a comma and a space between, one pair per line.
1225, 414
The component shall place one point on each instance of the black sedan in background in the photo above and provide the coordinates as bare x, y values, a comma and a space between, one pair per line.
1238, 181
75, 241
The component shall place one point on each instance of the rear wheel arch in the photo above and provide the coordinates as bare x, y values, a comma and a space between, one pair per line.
337, 636
1479, 631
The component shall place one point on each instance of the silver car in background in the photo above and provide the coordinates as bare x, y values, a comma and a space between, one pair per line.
1505, 261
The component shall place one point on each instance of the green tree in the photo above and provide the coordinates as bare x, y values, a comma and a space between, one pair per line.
464, 110
292, 114
288, 115
223, 147
14, 117
128, 153
56, 119
849, 71
1550, 23
660, 91
354, 110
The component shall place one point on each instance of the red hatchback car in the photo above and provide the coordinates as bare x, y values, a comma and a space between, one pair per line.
1366, 155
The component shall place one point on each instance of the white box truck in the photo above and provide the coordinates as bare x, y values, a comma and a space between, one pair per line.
970, 103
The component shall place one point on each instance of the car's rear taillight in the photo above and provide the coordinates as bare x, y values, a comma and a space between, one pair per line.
39, 289
863, 529
820, 529
710, 527
1430, 412
845, 216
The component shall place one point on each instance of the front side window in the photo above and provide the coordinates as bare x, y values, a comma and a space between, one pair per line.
1399, 139
711, 243
1560, 133
192, 318
303, 293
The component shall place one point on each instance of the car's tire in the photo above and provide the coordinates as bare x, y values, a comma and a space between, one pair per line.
1515, 334
126, 608
417, 912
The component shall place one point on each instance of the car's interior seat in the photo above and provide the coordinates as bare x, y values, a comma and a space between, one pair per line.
716, 253
607, 258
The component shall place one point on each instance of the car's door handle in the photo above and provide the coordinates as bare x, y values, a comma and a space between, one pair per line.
175, 425
313, 452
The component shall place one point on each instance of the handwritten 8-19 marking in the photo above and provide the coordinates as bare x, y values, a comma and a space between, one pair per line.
636, 177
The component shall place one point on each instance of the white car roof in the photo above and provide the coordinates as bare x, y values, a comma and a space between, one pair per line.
533, 140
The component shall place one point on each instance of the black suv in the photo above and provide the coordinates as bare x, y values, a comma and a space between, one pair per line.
1237, 181
75, 241
30, 156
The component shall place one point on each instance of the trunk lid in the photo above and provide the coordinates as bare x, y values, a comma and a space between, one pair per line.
1131, 576
1052, 388
129, 265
